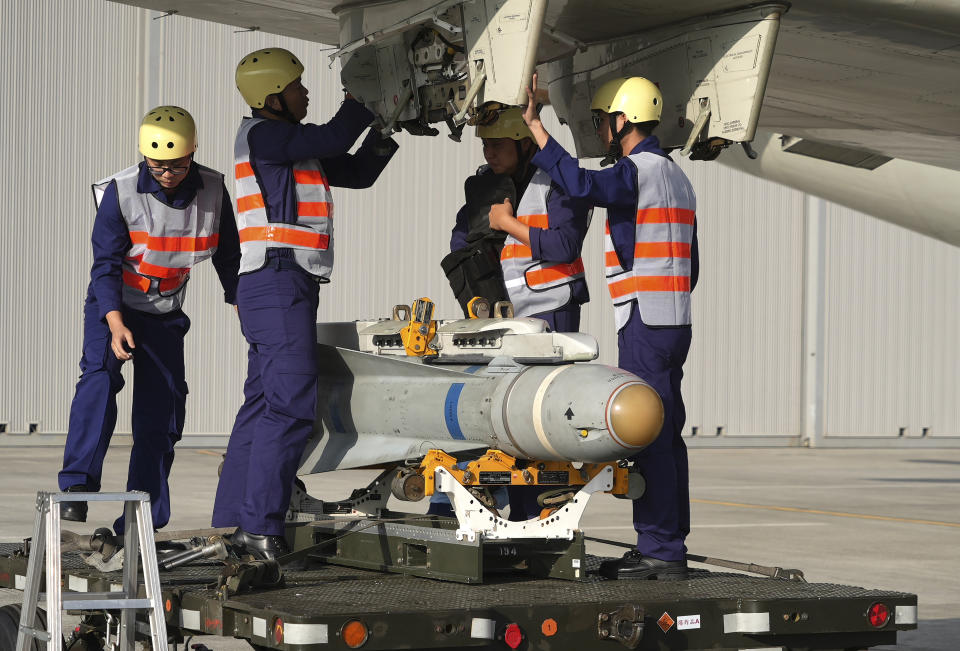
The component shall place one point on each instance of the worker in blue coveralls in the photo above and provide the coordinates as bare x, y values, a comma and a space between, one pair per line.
284, 170
154, 222
540, 260
651, 267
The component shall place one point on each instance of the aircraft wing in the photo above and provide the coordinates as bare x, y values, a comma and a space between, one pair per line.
310, 20
857, 101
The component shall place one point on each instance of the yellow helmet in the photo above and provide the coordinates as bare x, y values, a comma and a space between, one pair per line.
637, 98
266, 72
167, 132
509, 124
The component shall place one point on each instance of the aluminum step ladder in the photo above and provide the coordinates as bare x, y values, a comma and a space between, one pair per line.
137, 543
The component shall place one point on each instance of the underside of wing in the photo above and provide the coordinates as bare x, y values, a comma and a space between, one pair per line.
847, 85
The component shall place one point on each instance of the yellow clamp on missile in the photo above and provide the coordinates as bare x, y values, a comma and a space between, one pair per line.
497, 468
416, 337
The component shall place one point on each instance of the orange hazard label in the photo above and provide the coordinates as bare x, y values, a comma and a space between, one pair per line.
665, 622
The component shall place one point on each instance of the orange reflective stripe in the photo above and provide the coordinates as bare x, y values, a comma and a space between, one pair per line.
511, 251
183, 243
633, 284
313, 209
158, 271
534, 221
665, 216
136, 281
249, 202
537, 277
281, 235
139, 237
611, 259
661, 250
167, 284
142, 283
309, 177
243, 170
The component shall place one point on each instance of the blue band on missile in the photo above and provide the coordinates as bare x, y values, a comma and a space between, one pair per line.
450, 411
473, 369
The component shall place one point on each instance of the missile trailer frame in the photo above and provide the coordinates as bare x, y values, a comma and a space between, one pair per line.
335, 602
380, 580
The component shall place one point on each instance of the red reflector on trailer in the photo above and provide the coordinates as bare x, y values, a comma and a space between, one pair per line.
879, 615
278, 630
513, 636
354, 633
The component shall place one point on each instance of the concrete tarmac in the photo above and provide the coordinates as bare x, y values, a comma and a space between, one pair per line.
885, 519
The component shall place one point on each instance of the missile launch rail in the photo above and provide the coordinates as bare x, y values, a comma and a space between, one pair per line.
313, 610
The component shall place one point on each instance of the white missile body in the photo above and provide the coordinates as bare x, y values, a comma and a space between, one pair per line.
506, 384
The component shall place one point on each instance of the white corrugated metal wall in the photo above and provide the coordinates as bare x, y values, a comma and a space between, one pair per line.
86, 71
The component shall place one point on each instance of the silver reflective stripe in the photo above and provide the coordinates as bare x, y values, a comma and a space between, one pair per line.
535, 298
305, 633
905, 615
746, 623
313, 196
483, 629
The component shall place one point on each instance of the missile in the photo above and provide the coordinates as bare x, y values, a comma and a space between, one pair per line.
506, 384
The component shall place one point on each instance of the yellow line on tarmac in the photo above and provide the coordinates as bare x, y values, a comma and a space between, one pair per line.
841, 514
210, 452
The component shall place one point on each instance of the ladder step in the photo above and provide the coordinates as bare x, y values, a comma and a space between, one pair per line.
41, 635
113, 604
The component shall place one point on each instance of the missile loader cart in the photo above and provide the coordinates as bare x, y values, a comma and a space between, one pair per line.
471, 407
370, 589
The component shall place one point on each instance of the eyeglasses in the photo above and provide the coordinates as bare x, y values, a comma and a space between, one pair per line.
160, 171
598, 119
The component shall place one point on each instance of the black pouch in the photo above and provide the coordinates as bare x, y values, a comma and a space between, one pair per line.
476, 271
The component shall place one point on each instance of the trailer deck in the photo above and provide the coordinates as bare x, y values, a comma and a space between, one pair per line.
708, 610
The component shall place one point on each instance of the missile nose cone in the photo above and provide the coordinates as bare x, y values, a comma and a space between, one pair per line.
635, 415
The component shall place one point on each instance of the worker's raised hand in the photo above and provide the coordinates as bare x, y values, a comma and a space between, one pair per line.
501, 214
121, 338
530, 115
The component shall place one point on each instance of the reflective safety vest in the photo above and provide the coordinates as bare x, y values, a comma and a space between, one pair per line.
166, 242
311, 238
535, 286
660, 278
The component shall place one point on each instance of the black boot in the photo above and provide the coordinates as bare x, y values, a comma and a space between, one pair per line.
261, 547
74, 511
634, 565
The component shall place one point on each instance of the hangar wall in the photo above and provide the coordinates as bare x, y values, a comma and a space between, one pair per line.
812, 322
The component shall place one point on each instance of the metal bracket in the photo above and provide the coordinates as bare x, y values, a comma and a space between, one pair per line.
624, 625
471, 95
698, 126
371, 500
474, 518
401, 105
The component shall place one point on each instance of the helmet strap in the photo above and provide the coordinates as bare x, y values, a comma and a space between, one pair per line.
523, 160
284, 111
615, 152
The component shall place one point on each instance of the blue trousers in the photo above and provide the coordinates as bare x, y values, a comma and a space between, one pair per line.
159, 405
661, 516
278, 314
523, 499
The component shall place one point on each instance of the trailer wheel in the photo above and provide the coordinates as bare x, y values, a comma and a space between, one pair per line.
10, 626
